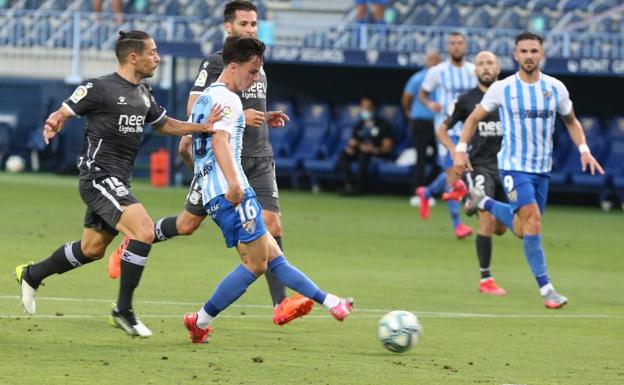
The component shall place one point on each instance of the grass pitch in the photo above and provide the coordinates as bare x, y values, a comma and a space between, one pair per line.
375, 249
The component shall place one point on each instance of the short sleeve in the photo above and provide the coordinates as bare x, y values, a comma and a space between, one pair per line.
208, 73
413, 84
232, 111
564, 106
493, 97
85, 98
156, 113
432, 79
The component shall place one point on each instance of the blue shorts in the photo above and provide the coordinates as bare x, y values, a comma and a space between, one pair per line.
444, 156
524, 188
240, 224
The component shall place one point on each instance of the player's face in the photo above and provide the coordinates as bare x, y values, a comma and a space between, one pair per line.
529, 53
147, 62
456, 47
245, 24
248, 73
486, 68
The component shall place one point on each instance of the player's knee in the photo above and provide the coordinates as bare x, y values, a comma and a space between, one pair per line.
145, 233
500, 229
273, 224
258, 267
93, 251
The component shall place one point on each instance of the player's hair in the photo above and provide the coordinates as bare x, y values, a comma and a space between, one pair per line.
526, 35
457, 33
229, 12
239, 49
128, 42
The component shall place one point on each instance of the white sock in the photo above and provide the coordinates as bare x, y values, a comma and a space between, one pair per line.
481, 204
547, 287
203, 319
331, 301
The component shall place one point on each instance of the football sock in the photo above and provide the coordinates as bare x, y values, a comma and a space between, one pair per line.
501, 211
295, 279
534, 254
65, 258
229, 290
133, 262
437, 186
165, 228
453, 208
203, 319
484, 252
331, 301
276, 287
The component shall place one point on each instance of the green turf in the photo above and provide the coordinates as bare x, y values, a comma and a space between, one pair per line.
375, 249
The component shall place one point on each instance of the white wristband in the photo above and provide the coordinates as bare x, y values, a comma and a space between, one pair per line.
461, 147
583, 148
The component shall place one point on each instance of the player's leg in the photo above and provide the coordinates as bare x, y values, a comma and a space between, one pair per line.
361, 10
69, 256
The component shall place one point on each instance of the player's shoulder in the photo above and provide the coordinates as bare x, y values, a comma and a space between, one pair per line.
553, 81
470, 95
469, 65
212, 60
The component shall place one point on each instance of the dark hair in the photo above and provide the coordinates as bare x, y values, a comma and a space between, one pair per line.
229, 12
239, 49
526, 35
128, 42
457, 33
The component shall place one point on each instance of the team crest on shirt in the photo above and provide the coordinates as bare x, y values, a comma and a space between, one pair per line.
201, 78
79, 94
547, 94
122, 101
146, 100
250, 226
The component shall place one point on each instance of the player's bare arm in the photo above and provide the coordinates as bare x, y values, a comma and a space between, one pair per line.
225, 160
460, 161
185, 149
191, 102
178, 128
430, 104
442, 135
578, 137
54, 123
277, 118
254, 118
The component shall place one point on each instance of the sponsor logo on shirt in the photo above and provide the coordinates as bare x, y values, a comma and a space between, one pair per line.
490, 129
256, 91
131, 123
79, 94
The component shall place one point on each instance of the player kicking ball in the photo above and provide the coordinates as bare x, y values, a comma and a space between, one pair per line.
231, 202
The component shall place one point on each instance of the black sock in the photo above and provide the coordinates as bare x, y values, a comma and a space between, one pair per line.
65, 258
276, 287
484, 251
132, 263
165, 228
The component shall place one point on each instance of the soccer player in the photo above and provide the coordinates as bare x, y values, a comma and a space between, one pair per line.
449, 79
240, 19
116, 106
527, 102
483, 149
230, 200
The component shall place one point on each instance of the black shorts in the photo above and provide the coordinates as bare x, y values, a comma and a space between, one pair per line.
194, 204
489, 180
260, 173
105, 198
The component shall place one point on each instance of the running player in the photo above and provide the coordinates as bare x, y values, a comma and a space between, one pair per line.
528, 102
229, 198
116, 106
240, 19
483, 149
448, 79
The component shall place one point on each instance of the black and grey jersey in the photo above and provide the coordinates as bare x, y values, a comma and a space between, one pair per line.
116, 111
255, 140
485, 145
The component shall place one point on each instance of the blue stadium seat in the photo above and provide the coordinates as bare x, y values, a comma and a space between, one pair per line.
599, 147
616, 128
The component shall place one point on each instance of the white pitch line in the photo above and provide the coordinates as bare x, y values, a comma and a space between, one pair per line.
374, 312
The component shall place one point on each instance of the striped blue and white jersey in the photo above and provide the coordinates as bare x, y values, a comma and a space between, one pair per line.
449, 82
207, 171
527, 113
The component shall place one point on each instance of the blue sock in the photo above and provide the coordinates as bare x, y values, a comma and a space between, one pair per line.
437, 186
536, 258
295, 279
453, 208
501, 211
229, 290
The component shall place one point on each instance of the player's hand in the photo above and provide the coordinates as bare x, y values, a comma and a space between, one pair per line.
53, 125
435, 107
588, 160
235, 194
461, 161
254, 118
277, 119
216, 114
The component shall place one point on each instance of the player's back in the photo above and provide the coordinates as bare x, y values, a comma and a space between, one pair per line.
232, 121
